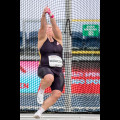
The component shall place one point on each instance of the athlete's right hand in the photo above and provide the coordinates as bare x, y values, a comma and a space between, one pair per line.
45, 10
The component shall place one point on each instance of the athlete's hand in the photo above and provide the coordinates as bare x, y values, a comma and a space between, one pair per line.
46, 10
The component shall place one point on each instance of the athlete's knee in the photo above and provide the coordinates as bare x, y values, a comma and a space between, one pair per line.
48, 78
57, 95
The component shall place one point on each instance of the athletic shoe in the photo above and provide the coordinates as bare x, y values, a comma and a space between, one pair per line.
40, 97
37, 114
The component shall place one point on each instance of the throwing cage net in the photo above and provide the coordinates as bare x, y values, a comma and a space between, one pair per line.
79, 22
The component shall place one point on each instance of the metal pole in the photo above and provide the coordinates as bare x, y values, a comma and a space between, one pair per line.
67, 56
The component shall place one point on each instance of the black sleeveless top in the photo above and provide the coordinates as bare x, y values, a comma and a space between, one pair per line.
50, 48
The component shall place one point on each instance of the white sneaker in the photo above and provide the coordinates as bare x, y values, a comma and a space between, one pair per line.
37, 114
40, 97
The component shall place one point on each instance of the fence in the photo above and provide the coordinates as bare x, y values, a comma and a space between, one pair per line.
80, 26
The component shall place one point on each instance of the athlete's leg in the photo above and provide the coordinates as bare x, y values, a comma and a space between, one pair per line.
46, 75
47, 81
52, 99
48, 102
57, 88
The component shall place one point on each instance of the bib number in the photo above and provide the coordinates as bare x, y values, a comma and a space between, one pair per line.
55, 61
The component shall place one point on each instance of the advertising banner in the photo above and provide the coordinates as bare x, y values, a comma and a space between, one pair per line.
83, 79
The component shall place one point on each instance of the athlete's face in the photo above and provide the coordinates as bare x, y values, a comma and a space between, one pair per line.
49, 30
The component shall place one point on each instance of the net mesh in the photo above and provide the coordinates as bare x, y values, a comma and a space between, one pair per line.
79, 22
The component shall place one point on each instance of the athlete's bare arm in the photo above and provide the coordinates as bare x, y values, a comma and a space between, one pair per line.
42, 30
55, 28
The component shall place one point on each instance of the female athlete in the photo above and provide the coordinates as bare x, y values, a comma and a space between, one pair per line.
50, 48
